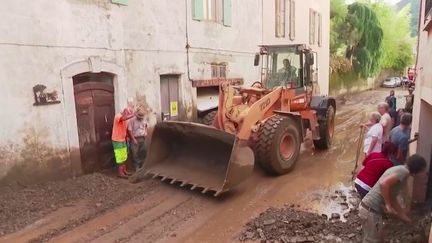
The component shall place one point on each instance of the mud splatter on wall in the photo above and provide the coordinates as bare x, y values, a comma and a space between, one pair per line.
33, 160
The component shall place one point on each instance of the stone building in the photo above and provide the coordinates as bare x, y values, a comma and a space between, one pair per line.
422, 112
68, 65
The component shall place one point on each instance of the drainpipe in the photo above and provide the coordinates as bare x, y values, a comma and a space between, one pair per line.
187, 42
418, 35
262, 22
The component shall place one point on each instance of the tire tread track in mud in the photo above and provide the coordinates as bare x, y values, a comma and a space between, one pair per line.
156, 235
135, 194
110, 228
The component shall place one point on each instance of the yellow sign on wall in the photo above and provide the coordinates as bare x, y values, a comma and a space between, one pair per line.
173, 108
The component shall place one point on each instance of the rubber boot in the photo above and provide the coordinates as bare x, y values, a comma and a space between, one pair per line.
127, 173
121, 171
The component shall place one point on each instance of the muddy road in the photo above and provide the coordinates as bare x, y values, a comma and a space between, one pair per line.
154, 211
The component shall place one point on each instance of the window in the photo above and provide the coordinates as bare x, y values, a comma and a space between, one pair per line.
315, 28
292, 20
218, 11
280, 18
218, 70
213, 10
284, 68
281, 7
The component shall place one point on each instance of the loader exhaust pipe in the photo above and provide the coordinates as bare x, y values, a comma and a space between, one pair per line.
200, 156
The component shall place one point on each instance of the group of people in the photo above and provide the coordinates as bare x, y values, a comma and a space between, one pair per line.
409, 103
128, 137
382, 183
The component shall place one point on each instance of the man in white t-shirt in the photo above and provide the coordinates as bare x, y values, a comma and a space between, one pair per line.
374, 136
386, 121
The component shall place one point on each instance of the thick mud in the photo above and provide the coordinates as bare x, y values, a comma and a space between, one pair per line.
104, 208
331, 217
290, 225
23, 205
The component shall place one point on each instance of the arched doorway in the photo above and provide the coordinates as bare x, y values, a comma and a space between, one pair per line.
94, 106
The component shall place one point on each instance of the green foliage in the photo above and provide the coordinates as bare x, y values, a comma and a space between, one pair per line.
414, 11
397, 44
338, 14
365, 39
414, 21
370, 36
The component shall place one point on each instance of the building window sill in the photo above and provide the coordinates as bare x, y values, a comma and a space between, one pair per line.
211, 22
120, 2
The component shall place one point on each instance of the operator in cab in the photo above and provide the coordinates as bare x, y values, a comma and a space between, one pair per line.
288, 73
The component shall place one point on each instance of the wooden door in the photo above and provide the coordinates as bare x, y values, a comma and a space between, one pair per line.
169, 93
94, 103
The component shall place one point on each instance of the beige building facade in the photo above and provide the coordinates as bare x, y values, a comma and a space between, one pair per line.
422, 112
68, 66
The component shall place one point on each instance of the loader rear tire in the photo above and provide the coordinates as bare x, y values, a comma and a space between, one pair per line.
208, 118
278, 145
326, 130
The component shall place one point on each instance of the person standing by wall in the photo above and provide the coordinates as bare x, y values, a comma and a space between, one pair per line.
119, 134
137, 128
391, 101
400, 136
386, 121
382, 198
409, 100
374, 134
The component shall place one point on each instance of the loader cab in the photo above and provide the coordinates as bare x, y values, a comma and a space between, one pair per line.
288, 66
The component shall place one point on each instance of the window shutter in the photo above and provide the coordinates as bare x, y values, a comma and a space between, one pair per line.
227, 12
292, 20
198, 9
122, 2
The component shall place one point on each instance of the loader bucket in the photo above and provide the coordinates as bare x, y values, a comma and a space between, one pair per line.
200, 156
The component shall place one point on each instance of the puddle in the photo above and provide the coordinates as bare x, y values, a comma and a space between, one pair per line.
334, 203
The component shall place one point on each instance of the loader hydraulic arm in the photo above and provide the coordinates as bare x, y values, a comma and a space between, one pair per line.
256, 113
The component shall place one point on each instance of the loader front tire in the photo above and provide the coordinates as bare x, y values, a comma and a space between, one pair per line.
326, 130
278, 145
208, 118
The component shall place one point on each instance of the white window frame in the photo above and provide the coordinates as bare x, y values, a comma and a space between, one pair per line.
292, 16
213, 10
280, 18
285, 18
315, 28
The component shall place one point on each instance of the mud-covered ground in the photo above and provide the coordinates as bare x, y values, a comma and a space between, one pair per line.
291, 224
23, 205
103, 208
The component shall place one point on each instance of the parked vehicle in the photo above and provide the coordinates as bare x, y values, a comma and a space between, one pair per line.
398, 81
389, 83
405, 81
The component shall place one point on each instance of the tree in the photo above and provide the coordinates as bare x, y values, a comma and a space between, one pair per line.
338, 15
414, 12
397, 44
364, 39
